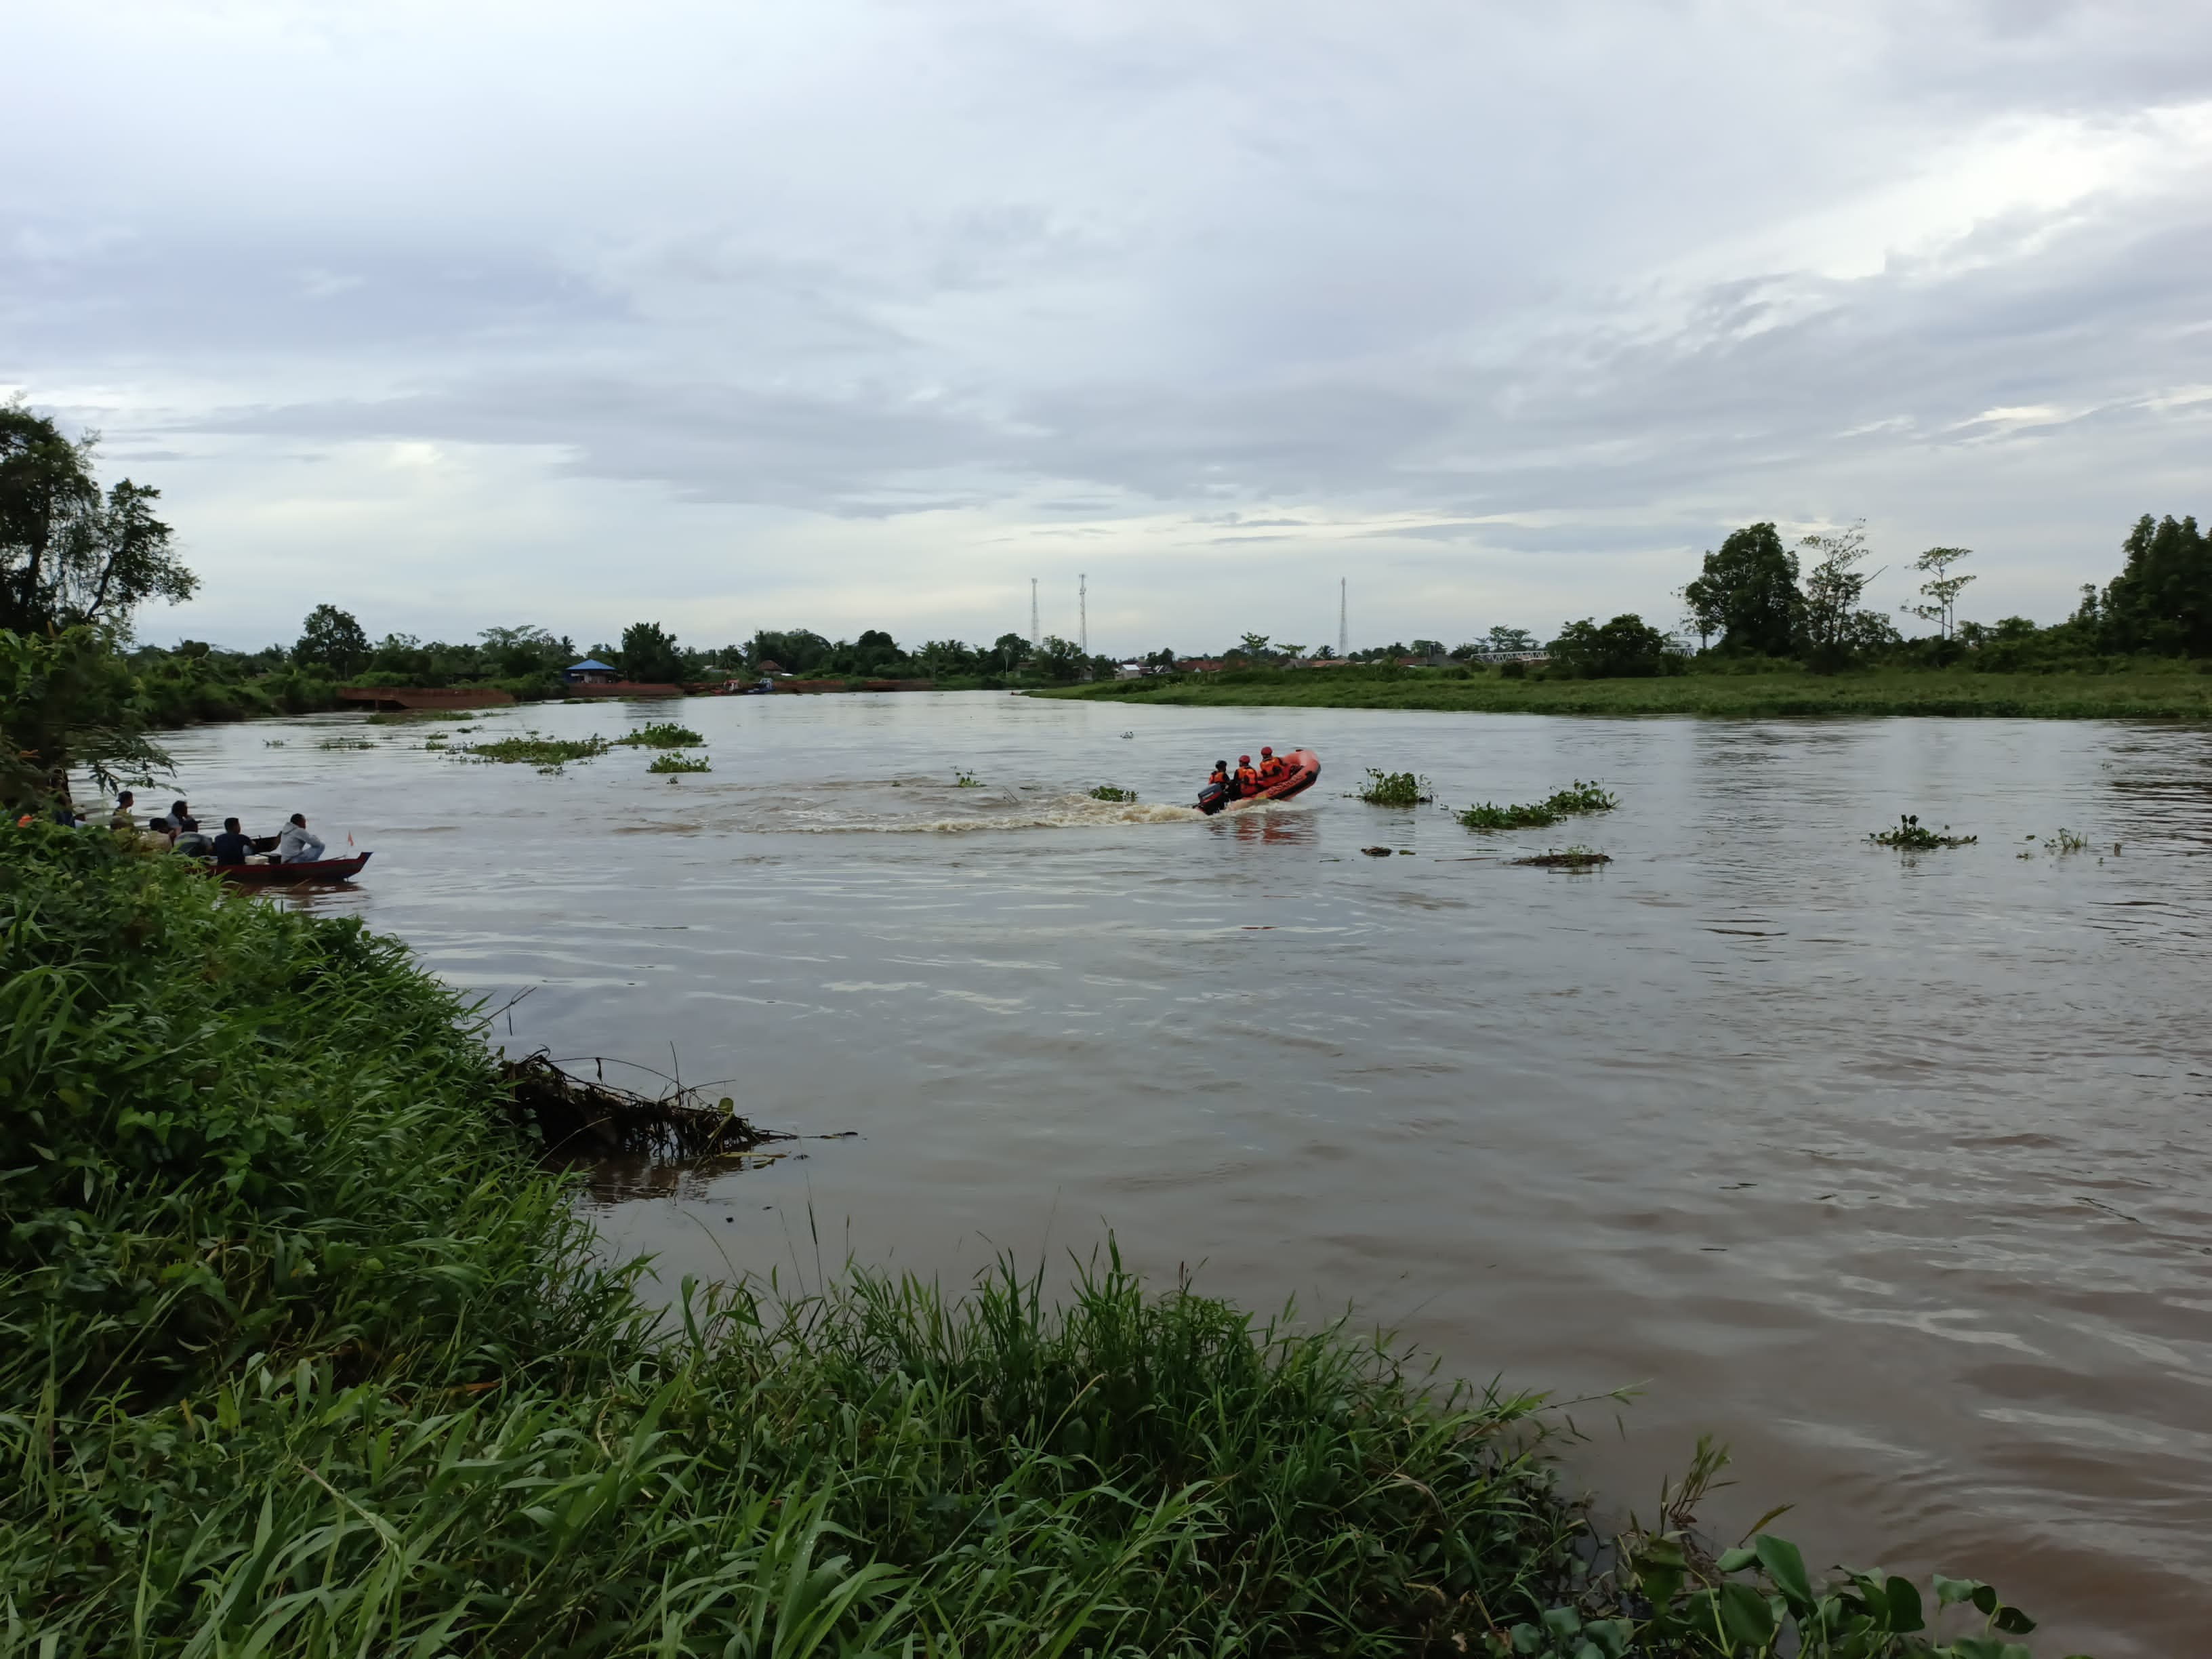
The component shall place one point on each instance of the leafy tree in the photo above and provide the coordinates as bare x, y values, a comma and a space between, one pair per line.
1253, 646
944, 659
649, 654
1510, 638
332, 639
1704, 614
1627, 647
1835, 627
70, 556
515, 653
1163, 661
1009, 652
69, 699
2161, 601
1428, 647
1749, 591
1941, 590
1321, 653
1060, 659
800, 650
1293, 652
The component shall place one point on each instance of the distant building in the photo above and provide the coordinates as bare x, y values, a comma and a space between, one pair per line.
591, 672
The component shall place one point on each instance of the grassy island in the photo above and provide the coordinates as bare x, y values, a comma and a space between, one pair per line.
307, 1353
2158, 690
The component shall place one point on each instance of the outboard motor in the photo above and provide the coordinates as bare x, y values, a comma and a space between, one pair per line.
1213, 798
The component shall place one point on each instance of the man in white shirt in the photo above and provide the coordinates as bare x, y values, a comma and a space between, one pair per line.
296, 845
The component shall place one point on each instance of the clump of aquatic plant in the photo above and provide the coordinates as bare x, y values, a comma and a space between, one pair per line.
1571, 802
679, 763
1571, 857
1490, 816
963, 779
1666, 1595
1581, 797
1911, 835
662, 734
346, 743
546, 754
1394, 789
1108, 792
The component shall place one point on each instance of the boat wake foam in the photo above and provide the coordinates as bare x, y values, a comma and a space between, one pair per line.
912, 807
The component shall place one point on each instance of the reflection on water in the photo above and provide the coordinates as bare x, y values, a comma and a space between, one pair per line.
1890, 1169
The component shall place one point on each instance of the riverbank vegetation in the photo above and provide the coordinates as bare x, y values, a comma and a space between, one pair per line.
308, 1354
2128, 690
1783, 632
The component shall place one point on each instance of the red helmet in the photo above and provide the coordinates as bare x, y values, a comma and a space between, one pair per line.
1267, 751
1243, 760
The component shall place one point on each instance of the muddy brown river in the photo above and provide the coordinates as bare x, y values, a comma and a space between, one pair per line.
1889, 1171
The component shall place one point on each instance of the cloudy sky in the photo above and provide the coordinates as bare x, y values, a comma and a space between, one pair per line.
849, 315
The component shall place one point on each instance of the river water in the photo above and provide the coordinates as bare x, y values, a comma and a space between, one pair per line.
1890, 1171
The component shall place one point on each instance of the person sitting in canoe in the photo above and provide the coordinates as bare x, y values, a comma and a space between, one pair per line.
1273, 771
296, 845
1247, 782
232, 846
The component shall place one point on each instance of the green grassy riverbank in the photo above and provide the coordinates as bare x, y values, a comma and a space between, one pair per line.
303, 1351
2164, 692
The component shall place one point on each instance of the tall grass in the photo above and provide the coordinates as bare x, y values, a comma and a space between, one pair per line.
303, 1352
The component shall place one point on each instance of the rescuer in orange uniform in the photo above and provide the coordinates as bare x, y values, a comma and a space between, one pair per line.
1248, 780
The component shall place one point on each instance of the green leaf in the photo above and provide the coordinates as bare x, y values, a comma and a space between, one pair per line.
1737, 1560
1609, 1636
1949, 1592
1903, 1596
1563, 1622
1745, 1616
1786, 1567
2013, 1622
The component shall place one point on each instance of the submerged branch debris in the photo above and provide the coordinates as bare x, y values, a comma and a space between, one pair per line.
588, 1119
1571, 858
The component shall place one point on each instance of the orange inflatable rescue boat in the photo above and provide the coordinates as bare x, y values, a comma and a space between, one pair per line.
1302, 772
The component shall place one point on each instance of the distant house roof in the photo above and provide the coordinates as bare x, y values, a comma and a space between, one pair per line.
592, 665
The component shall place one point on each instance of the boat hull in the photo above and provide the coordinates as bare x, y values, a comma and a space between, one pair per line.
293, 875
1305, 772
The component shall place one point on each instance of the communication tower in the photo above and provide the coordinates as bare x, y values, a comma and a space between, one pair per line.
1343, 639
1033, 637
1083, 613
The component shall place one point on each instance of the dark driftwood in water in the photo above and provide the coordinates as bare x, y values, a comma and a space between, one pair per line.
1567, 860
581, 1118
